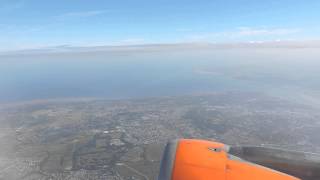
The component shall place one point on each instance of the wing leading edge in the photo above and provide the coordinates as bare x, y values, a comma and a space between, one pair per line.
188, 159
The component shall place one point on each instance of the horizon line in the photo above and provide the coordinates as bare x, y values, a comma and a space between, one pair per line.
66, 48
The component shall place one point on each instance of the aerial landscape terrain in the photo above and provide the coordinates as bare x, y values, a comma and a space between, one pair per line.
124, 139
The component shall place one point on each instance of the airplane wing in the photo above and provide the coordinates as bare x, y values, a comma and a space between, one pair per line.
188, 159
299, 164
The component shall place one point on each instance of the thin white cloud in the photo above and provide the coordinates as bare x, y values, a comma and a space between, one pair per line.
251, 34
247, 31
81, 14
38, 49
130, 41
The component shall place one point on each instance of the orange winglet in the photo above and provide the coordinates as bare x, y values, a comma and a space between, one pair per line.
205, 160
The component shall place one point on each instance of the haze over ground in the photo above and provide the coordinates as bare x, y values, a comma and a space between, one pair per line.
287, 69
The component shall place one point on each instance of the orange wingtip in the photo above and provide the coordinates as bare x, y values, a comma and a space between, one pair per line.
205, 160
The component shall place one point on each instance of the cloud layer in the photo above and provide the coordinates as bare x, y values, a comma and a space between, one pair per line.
251, 34
81, 14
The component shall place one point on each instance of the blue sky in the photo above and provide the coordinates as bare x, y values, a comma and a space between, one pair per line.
36, 23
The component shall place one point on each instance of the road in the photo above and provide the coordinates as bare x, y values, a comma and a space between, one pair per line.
134, 170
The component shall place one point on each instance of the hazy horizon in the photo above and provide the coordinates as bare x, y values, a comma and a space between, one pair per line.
160, 70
